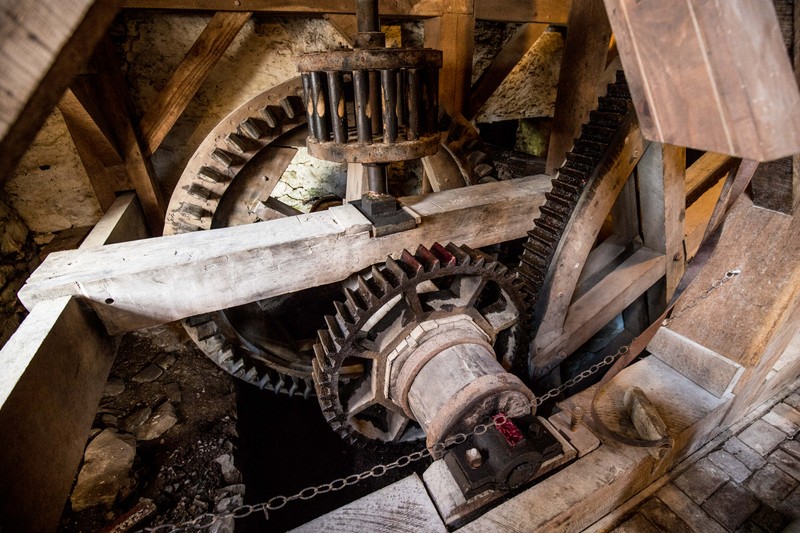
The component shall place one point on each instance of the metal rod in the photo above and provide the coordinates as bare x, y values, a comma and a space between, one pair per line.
389, 90
338, 107
375, 102
308, 100
402, 88
361, 89
376, 177
413, 95
431, 110
367, 15
320, 110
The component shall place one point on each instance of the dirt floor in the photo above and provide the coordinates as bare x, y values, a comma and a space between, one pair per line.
230, 444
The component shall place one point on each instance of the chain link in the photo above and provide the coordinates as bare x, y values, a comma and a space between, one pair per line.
206, 520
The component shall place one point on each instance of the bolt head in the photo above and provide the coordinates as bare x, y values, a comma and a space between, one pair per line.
474, 457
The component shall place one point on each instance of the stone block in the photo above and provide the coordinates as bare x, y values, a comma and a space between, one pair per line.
664, 518
689, 511
729, 464
701, 480
771, 484
792, 447
747, 455
766, 519
105, 472
762, 437
637, 524
731, 505
780, 422
786, 462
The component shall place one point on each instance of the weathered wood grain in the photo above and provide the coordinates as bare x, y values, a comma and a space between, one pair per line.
582, 68
170, 103
545, 11
122, 222
54, 368
453, 34
142, 283
711, 75
394, 8
705, 173
43, 45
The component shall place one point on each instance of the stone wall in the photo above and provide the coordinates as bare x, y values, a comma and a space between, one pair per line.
18, 257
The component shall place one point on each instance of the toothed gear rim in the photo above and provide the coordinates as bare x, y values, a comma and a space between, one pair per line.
581, 172
217, 189
385, 306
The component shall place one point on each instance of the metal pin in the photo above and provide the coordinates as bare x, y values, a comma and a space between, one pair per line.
575, 420
338, 107
375, 102
474, 457
413, 95
389, 91
361, 89
320, 108
308, 99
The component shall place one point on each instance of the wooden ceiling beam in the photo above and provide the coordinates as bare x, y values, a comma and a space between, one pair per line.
43, 45
193, 70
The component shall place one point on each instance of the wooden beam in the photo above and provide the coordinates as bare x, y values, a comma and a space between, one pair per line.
43, 45
170, 103
54, 368
582, 68
454, 35
774, 186
345, 25
124, 221
713, 76
502, 65
392, 8
109, 88
96, 148
153, 281
553, 12
705, 173
662, 198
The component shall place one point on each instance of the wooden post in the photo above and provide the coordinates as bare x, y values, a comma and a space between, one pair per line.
124, 221
52, 373
453, 34
582, 68
662, 176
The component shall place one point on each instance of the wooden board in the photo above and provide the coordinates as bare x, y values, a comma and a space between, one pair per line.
52, 373
43, 45
705, 173
189, 76
710, 75
394, 8
453, 34
582, 67
149, 282
402, 507
547, 11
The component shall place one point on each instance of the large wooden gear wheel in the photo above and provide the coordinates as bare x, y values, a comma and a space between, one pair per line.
228, 182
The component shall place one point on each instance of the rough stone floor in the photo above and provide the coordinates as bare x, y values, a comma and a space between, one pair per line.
749, 483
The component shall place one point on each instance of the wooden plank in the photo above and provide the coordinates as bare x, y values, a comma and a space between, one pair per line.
98, 152
625, 212
697, 218
148, 282
662, 197
602, 260
356, 182
110, 89
502, 65
54, 368
442, 171
453, 34
756, 299
402, 507
710, 75
705, 173
393, 8
43, 45
600, 304
544, 11
773, 186
715, 373
796, 60
193, 70
582, 68
124, 221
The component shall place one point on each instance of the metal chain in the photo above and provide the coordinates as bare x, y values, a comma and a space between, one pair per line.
206, 520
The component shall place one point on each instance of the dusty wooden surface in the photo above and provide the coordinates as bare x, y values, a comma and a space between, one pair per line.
582, 68
148, 282
54, 368
710, 75
705, 173
124, 221
170, 103
453, 34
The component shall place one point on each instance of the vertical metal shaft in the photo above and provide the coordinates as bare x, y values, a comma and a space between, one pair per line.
431, 111
402, 88
376, 177
309, 103
389, 90
375, 102
367, 15
338, 110
361, 89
